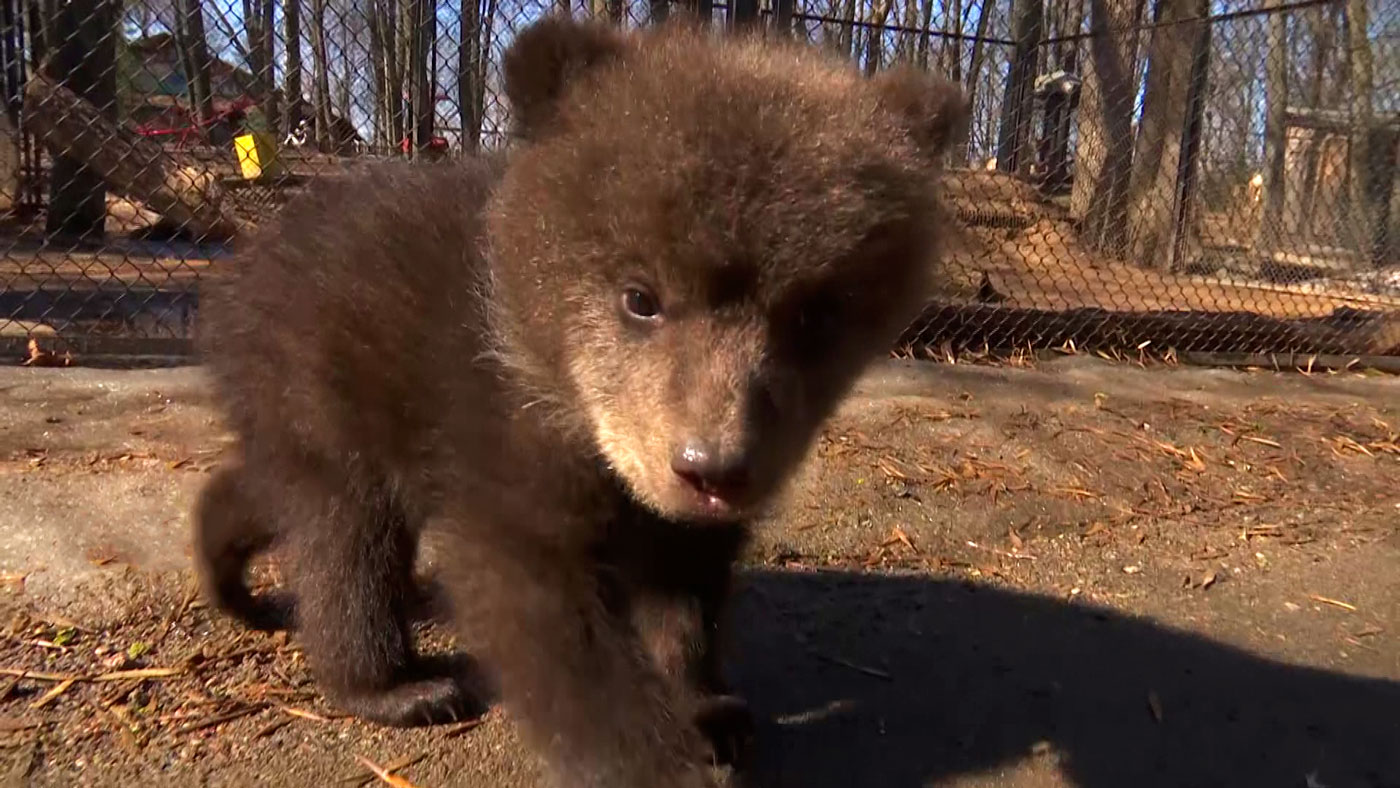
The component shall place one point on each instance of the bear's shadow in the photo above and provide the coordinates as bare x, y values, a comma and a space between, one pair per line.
897, 681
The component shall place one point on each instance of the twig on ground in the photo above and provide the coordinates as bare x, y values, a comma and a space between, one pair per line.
49, 696
385, 774
879, 674
219, 719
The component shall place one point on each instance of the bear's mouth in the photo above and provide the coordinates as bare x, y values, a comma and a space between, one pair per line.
715, 503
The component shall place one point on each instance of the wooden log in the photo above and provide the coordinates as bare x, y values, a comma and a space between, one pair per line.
130, 164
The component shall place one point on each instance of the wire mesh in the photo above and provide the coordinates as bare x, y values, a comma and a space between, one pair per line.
1178, 175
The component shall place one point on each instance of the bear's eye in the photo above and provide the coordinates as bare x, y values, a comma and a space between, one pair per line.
639, 303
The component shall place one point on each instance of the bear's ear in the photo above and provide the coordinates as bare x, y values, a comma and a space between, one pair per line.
932, 109
544, 59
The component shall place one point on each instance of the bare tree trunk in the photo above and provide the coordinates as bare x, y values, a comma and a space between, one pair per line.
875, 35
257, 20
345, 75
1157, 154
1276, 61
407, 39
422, 82
1359, 161
1058, 107
388, 87
268, 47
974, 75
43, 20
908, 38
470, 87
783, 11
831, 30
848, 28
321, 79
376, 59
471, 71
925, 21
292, 89
1324, 41
1013, 139
953, 44
194, 45
83, 57
1098, 199
610, 10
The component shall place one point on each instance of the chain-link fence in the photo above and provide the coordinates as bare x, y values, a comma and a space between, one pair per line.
1164, 176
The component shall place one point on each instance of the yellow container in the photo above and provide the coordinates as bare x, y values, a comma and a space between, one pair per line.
257, 155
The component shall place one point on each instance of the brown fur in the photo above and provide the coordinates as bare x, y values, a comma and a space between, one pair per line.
451, 345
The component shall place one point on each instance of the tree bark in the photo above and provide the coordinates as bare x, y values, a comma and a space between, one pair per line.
83, 34
195, 46
908, 38
321, 79
1359, 161
128, 162
345, 76
376, 59
954, 43
1276, 61
292, 90
1158, 147
782, 15
471, 76
847, 36
422, 85
925, 22
1324, 41
875, 35
394, 73
1013, 138
257, 23
1103, 167
388, 84
610, 10
974, 75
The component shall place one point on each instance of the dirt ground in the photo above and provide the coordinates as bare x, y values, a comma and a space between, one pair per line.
1072, 574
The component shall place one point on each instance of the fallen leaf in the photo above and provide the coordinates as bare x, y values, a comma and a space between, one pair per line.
898, 536
1196, 463
38, 357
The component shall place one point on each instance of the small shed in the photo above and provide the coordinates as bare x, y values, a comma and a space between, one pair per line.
1317, 197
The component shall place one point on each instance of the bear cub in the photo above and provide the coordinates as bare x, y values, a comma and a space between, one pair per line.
585, 364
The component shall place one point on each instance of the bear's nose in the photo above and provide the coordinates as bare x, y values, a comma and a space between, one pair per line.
699, 464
